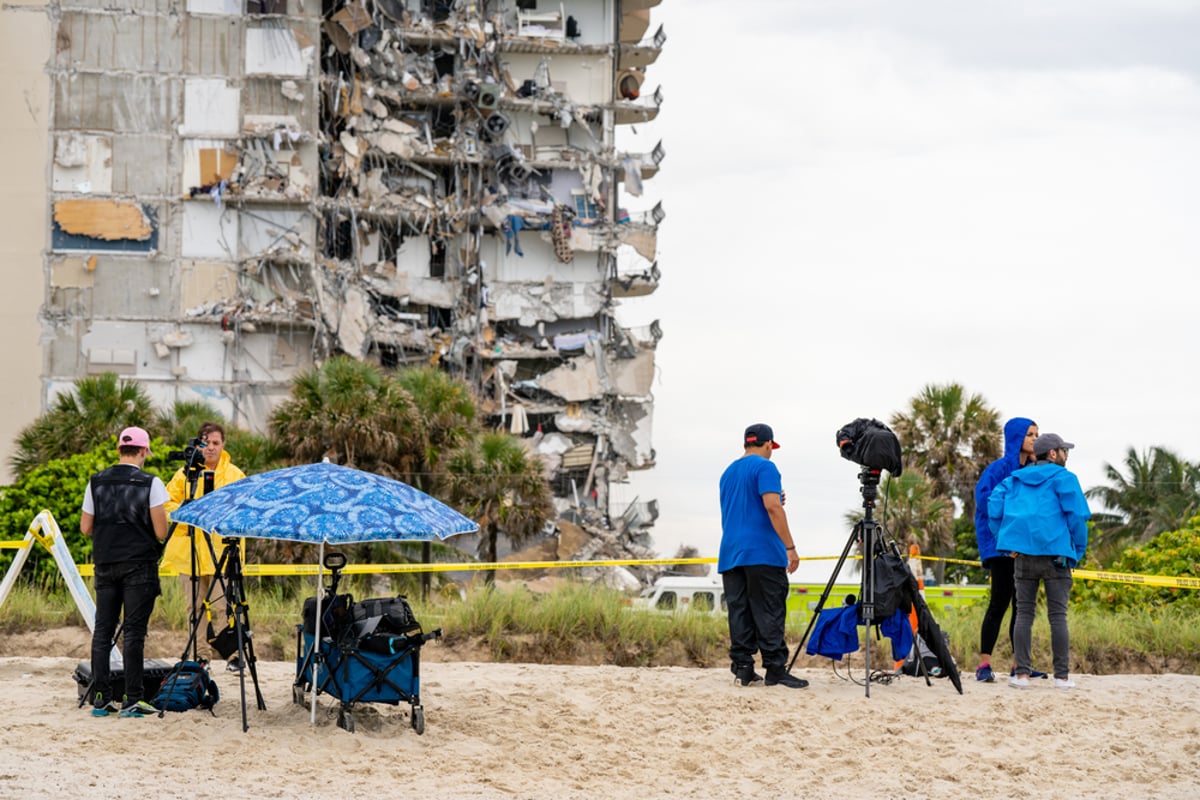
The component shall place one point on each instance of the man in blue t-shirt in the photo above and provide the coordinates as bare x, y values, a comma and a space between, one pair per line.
757, 553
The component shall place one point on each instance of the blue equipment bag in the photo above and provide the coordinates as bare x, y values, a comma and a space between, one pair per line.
185, 687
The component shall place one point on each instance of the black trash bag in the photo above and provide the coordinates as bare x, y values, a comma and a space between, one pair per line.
870, 443
931, 633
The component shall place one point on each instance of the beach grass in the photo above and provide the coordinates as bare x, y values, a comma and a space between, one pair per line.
581, 623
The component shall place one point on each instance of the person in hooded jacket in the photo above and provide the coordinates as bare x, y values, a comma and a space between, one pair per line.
178, 553
1040, 515
1019, 435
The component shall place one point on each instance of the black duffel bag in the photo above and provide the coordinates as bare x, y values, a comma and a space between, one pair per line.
383, 615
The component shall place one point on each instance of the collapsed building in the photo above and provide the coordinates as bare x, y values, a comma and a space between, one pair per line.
242, 188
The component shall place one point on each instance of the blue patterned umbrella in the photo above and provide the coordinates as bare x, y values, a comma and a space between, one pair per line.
323, 503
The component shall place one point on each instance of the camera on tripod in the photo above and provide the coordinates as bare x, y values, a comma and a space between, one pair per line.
872, 445
192, 455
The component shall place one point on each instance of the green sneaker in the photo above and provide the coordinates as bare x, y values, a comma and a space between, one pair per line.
139, 709
105, 709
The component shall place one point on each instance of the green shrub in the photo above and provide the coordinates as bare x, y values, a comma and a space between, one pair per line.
58, 487
1174, 553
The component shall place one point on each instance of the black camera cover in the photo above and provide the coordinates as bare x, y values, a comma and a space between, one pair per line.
872, 444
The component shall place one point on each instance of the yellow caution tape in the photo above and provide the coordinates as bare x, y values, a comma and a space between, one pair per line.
1141, 580
1168, 581
279, 570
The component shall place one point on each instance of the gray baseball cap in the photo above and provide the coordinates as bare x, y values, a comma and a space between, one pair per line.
1049, 441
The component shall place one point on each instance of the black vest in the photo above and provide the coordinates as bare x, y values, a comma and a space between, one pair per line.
122, 530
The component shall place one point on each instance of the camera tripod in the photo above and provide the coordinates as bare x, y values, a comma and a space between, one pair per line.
230, 567
192, 472
870, 534
227, 574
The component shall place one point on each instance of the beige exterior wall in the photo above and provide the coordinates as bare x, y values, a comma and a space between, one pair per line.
25, 96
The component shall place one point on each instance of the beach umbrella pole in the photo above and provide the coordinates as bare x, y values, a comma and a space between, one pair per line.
317, 636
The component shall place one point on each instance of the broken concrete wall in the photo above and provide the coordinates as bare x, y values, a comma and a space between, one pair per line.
401, 181
593, 376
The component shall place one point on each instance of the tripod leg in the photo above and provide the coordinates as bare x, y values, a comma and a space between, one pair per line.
867, 592
812, 620
236, 603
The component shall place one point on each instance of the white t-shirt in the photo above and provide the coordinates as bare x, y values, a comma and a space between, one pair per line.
158, 494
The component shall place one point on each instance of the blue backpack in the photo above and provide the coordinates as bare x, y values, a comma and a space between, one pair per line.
188, 685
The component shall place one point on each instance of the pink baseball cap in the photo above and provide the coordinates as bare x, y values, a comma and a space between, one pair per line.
134, 437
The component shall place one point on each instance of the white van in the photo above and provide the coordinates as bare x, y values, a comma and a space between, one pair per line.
674, 593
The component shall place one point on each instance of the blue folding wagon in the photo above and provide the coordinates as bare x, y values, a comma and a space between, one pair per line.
370, 652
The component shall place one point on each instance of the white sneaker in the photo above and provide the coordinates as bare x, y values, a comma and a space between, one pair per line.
1064, 683
1018, 681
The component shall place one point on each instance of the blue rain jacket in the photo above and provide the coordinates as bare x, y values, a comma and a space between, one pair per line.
1014, 435
1041, 511
835, 633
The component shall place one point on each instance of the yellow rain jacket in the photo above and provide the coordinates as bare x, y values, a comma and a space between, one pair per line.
178, 555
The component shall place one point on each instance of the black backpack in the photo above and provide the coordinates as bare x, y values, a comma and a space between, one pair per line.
892, 591
188, 685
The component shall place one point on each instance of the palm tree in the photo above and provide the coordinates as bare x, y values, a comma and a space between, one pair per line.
1160, 492
353, 414
910, 509
447, 410
497, 482
950, 436
95, 410
179, 423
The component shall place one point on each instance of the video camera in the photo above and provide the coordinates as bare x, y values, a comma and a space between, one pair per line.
871, 444
192, 455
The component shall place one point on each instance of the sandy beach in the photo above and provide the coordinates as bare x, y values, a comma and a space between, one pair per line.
544, 731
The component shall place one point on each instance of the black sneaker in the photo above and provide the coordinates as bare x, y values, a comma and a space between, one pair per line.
746, 676
781, 677
1033, 673
234, 665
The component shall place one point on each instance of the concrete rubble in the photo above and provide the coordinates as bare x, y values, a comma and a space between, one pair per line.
242, 188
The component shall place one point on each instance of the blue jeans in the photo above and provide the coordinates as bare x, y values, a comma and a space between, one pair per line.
1028, 573
757, 601
133, 586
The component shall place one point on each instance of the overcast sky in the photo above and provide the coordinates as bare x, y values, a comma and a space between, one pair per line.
867, 197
